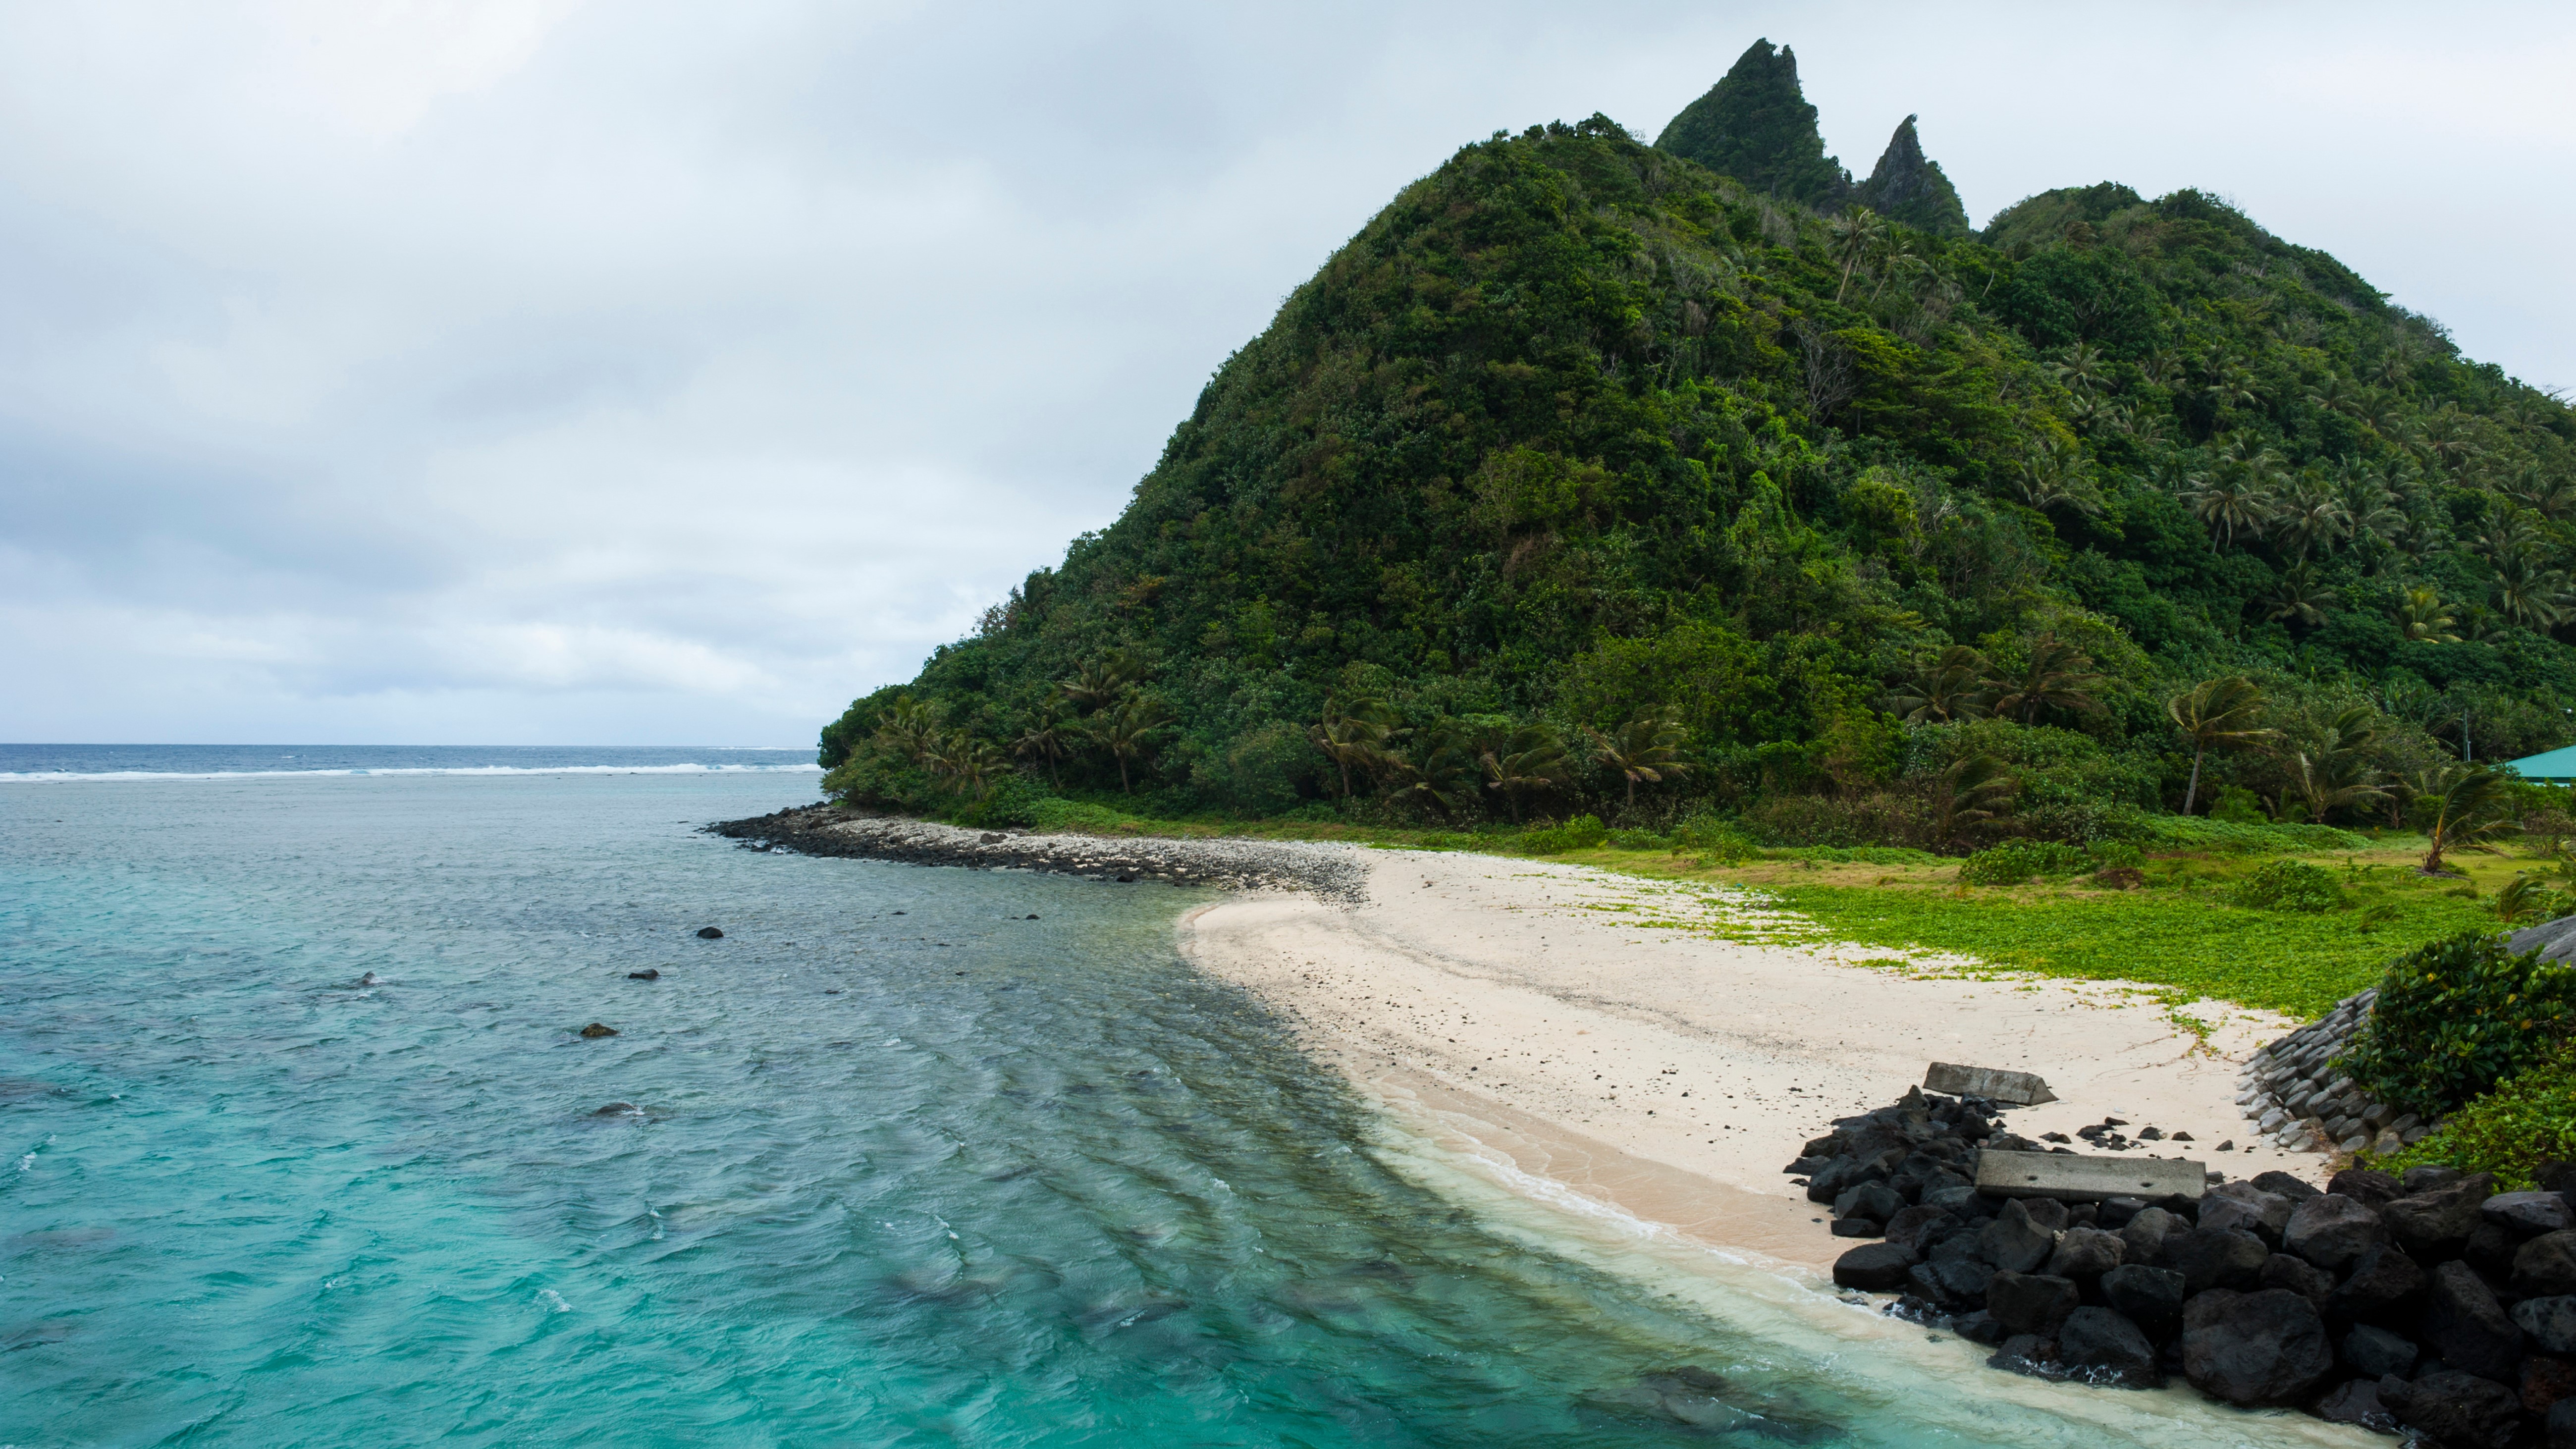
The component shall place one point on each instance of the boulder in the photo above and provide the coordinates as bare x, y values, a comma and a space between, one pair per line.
1980, 1327
2363, 1185
598, 1029
2113, 1213
2255, 1348
647, 974
2013, 1241
2528, 1214
2150, 1297
2333, 1231
2031, 1302
2086, 1253
1857, 1228
2378, 1352
2546, 1266
2299, 1276
2436, 1224
2356, 1401
2559, 1431
2297, 1190
1874, 1200
1916, 1227
2467, 1327
2108, 1346
1873, 1268
2546, 1380
2427, 1179
2490, 1250
1954, 1272
709, 933
2551, 1322
2145, 1233
2216, 1258
2462, 1411
2243, 1205
2383, 1285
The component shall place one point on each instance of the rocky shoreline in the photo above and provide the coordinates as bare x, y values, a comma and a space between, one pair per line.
1330, 872
2429, 1303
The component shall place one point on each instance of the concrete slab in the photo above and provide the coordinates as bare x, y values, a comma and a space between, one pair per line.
2070, 1178
2022, 1089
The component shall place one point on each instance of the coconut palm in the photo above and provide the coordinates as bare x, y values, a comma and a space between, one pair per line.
2422, 616
1353, 732
1951, 688
1647, 748
1855, 232
2051, 475
1049, 734
2469, 804
2082, 368
2231, 500
2301, 596
2056, 675
2531, 594
970, 765
1531, 757
2340, 774
909, 727
1442, 770
1972, 791
2307, 515
1101, 682
1128, 730
2217, 714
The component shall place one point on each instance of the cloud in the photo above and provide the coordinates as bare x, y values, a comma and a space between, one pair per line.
640, 372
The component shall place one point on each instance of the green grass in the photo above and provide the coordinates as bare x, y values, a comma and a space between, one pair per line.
2191, 940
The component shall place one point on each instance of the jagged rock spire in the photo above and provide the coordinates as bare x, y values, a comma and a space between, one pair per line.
1756, 126
1909, 187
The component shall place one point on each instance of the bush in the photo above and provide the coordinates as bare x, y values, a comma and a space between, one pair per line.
1714, 841
2237, 806
1583, 832
2192, 832
2116, 855
2457, 1016
2510, 1131
1014, 800
2016, 861
1639, 840
2291, 885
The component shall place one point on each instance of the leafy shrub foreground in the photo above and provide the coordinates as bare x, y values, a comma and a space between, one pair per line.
2291, 885
2511, 1131
2457, 1016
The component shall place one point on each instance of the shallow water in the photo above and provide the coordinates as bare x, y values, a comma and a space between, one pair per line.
890, 1163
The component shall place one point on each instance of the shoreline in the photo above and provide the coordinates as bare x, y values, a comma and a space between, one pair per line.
1637, 1043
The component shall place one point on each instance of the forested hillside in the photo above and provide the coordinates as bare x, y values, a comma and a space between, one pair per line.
1585, 478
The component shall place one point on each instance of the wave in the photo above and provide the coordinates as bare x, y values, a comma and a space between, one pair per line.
42, 776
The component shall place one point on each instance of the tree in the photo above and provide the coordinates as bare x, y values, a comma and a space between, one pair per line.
1531, 757
1099, 683
2423, 616
1046, 736
1443, 768
969, 764
2341, 774
1127, 730
1856, 231
1950, 688
1972, 791
1646, 748
2217, 714
2307, 515
2057, 675
2301, 596
2530, 593
909, 727
2469, 811
1353, 731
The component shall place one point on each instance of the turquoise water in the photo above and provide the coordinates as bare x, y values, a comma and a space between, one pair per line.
890, 1163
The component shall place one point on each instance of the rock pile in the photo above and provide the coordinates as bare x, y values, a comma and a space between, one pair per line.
2292, 1093
2431, 1302
1326, 870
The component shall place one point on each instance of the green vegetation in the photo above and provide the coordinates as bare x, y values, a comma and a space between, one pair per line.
2457, 1016
1586, 480
1755, 125
2510, 1131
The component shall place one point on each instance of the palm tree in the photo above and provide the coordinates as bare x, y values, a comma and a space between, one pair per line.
909, 726
1444, 768
2057, 675
1855, 232
2529, 593
2468, 812
1950, 688
2300, 595
2051, 476
1127, 730
1646, 748
1531, 757
2341, 774
1099, 683
2232, 387
2080, 367
2231, 501
2217, 714
1047, 735
1353, 731
1974, 790
2308, 515
967, 761
2424, 617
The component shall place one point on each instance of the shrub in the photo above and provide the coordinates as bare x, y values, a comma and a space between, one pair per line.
2528, 1120
2291, 885
1714, 841
1639, 840
2016, 861
1014, 800
2457, 1016
2238, 806
2192, 832
2116, 855
1583, 832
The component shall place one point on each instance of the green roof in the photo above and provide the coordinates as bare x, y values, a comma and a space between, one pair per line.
2554, 765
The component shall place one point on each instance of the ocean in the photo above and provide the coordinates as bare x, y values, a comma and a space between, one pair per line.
301, 1144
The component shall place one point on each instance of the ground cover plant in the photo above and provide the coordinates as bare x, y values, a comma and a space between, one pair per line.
2513, 1131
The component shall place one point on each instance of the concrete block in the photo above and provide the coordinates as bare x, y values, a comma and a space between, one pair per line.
2019, 1088
2087, 1179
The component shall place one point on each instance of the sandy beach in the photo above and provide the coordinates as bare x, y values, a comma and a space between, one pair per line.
1653, 1046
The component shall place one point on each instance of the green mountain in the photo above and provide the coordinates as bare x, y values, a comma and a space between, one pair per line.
1910, 187
1756, 126
1585, 478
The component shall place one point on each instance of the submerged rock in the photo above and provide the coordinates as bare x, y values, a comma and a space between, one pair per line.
709, 933
598, 1029
647, 974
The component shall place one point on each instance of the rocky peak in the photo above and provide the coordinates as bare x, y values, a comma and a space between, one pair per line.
1756, 126
1909, 187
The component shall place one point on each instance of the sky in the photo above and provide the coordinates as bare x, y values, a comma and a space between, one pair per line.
553, 372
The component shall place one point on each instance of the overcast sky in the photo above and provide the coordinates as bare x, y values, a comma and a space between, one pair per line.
647, 373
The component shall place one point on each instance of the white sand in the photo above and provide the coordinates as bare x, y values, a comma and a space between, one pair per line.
1639, 1043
